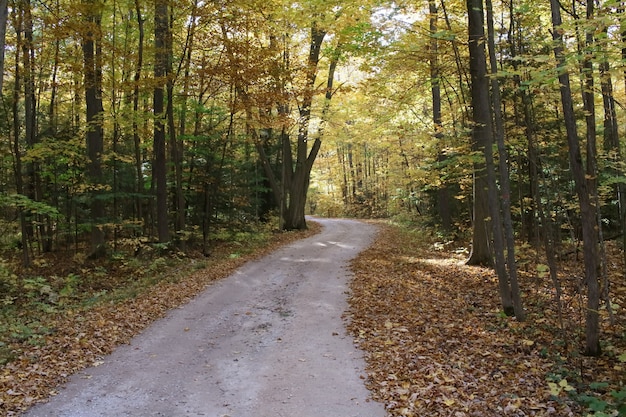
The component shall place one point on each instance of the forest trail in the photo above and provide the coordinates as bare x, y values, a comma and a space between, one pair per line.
267, 341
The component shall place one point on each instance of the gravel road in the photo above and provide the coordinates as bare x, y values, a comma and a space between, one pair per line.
268, 341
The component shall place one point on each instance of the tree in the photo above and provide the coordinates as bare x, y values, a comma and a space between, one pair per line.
584, 189
161, 64
482, 138
298, 172
443, 193
139, 181
94, 117
4, 17
505, 187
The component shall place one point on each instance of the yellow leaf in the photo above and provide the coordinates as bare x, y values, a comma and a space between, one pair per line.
565, 385
555, 390
449, 402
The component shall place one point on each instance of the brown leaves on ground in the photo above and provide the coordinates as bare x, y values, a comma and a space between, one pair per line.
80, 338
437, 344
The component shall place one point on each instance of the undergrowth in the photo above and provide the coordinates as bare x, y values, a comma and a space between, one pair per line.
438, 343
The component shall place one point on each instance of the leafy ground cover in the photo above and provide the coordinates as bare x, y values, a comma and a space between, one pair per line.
71, 324
437, 344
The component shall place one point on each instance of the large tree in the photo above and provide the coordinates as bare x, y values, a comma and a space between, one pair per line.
482, 135
298, 171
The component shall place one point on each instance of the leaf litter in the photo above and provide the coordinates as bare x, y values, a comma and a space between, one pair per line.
437, 345
81, 337
436, 342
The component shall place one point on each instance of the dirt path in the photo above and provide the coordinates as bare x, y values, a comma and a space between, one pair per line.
268, 341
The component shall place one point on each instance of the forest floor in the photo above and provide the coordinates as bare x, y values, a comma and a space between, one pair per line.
431, 327
59, 338
438, 345
269, 340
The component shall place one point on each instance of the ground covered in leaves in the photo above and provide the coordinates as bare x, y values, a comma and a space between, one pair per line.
437, 344
60, 337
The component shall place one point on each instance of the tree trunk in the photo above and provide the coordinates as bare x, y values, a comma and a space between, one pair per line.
443, 193
139, 183
588, 211
481, 134
94, 110
505, 194
460, 67
298, 176
175, 145
178, 145
4, 15
623, 213
161, 30
529, 215
611, 143
19, 183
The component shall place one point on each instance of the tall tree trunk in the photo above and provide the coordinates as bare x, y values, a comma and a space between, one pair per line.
159, 171
588, 211
623, 213
185, 65
139, 182
32, 186
4, 17
52, 114
176, 145
611, 143
443, 193
529, 215
505, 186
15, 108
94, 113
298, 176
460, 68
481, 135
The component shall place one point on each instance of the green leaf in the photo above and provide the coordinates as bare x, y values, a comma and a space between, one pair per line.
598, 405
619, 395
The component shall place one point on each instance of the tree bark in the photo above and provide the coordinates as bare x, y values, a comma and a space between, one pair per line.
505, 186
94, 113
175, 145
4, 17
443, 192
611, 144
161, 29
298, 175
19, 183
139, 181
588, 211
481, 134
31, 185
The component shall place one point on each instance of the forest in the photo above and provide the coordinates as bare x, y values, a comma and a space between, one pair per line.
134, 135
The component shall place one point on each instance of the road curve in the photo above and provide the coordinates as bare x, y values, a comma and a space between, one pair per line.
268, 341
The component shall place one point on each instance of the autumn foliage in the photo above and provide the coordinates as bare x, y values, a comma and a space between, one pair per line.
79, 337
438, 345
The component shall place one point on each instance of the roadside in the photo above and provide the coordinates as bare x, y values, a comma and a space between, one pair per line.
76, 336
438, 345
267, 341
